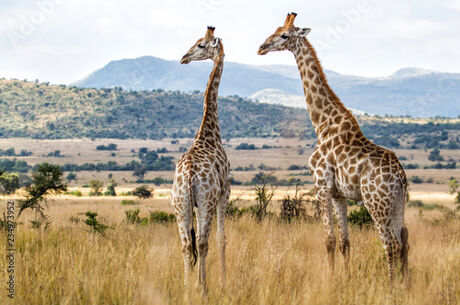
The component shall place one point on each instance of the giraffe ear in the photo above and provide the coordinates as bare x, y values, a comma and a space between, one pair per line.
303, 32
214, 42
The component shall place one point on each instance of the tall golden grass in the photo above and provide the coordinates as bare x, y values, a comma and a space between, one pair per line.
267, 263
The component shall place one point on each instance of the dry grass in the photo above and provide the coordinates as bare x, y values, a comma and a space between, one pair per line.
268, 263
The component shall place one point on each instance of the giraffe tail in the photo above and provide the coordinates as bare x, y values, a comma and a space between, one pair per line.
192, 230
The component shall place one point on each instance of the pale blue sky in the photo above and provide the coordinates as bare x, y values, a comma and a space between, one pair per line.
64, 40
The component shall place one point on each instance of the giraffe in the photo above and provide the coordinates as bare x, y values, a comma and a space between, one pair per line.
345, 164
201, 179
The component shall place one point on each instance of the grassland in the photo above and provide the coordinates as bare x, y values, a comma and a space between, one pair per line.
283, 153
268, 263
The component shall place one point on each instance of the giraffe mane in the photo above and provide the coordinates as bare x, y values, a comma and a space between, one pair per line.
329, 90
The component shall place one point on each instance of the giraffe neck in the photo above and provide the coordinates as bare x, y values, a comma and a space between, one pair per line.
324, 107
209, 128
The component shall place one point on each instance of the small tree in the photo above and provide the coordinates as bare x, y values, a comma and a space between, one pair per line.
71, 176
140, 171
293, 208
142, 192
435, 155
264, 195
9, 183
453, 185
111, 188
46, 179
94, 224
96, 187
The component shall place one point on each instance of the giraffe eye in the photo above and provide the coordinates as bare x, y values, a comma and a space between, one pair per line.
200, 46
284, 36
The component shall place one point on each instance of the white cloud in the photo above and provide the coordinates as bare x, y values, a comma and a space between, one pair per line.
79, 36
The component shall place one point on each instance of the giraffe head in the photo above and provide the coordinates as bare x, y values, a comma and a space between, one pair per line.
285, 37
205, 48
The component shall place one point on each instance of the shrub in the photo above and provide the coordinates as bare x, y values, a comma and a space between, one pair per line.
111, 188
457, 199
351, 202
360, 217
76, 193
142, 192
132, 216
56, 154
416, 179
94, 224
294, 167
264, 195
453, 185
111, 146
96, 187
293, 208
161, 217
9, 183
435, 155
245, 146
71, 176
232, 210
128, 202
411, 166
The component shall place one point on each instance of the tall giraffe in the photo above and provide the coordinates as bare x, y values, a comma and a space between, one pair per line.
202, 180
345, 164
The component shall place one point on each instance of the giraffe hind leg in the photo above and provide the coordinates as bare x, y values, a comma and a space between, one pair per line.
341, 207
404, 252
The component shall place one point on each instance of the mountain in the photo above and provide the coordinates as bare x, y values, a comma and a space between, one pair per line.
409, 91
43, 111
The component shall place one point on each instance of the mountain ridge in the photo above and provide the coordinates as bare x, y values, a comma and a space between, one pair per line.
408, 91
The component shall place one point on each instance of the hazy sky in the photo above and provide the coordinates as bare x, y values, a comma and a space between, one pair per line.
62, 41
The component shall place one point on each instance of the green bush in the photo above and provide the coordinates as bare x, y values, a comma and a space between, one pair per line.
416, 179
142, 192
94, 224
245, 146
9, 183
111, 188
129, 202
132, 216
76, 193
360, 217
293, 208
161, 217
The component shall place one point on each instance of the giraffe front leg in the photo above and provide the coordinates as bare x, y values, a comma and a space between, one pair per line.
340, 206
221, 240
324, 195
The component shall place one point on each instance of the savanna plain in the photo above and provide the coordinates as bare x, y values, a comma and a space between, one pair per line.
268, 262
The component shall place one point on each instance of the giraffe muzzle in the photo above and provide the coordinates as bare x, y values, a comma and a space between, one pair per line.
262, 50
185, 60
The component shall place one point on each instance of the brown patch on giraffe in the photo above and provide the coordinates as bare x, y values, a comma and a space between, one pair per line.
314, 116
